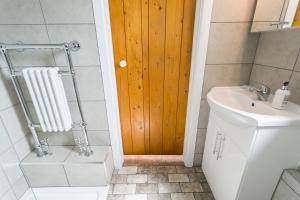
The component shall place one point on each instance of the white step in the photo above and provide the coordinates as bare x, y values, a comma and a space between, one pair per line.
66, 168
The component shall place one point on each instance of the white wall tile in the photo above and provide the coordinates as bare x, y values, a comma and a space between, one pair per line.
20, 187
198, 159
31, 34
278, 48
85, 34
92, 175
233, 10
24, 146
15, 123
4, 184
94, 113
4, 139
272, 77
18, 12
8, 95
89, 82
10, 164
68, 11
9, 195
231, 43
99, 138
225, 75
45, 175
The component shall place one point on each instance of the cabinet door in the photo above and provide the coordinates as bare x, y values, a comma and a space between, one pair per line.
223, 161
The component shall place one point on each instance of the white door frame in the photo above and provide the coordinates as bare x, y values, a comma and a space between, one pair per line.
200, 43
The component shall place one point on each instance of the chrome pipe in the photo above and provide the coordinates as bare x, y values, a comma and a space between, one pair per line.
83, 123
24, 105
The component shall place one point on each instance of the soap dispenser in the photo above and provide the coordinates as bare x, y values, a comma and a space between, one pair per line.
281, 96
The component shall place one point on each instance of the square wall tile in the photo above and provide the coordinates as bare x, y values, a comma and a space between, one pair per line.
225, 75
85, 34
204, 114
58, 138
24, 146
4, 184
231, 43
86, 175
10, 164
201, 134
20, 187
8, 95
30, 34
15, 123
295, 88
68, 11
46, 175
18, 12
94, 113
4, 139
9, 195
100, 138
233, 10
89, 82
278, 48
270, 76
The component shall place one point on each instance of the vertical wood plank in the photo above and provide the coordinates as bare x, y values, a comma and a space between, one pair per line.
296, 21
118, 35
174, 17
157, 9
133, 29
145, 41
186, 53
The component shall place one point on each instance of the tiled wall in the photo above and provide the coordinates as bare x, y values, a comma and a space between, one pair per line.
47, 21
56, 21
230, 56
14, 141
277, 60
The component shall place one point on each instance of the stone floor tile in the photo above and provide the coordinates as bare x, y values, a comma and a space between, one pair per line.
183, 169
159, 196
177, 178
166, 169
146, 188
158, 178
168, 187
137, 178
203, 196
128, 170
119, 178
124, 189
191, 187
136, 197
147, 169
205, 187
198, 169
197, 177
116, 197
182, 196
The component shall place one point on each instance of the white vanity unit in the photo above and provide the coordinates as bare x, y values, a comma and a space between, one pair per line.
248, 144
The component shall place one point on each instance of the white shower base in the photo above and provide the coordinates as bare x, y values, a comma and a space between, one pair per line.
67, 193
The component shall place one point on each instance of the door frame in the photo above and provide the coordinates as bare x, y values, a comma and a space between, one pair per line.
199, 50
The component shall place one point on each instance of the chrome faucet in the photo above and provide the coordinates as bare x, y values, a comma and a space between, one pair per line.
263, 92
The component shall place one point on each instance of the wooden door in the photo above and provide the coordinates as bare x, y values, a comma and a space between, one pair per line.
154, 37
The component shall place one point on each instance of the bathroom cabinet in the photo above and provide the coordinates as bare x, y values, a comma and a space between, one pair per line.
243, 161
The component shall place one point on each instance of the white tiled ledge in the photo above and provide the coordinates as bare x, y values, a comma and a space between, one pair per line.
67, 168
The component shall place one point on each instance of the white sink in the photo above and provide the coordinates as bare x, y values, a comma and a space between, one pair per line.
239, 104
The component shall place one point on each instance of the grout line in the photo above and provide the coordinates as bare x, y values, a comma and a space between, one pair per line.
267, 66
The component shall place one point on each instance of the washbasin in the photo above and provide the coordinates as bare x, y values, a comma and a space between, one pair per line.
240, 105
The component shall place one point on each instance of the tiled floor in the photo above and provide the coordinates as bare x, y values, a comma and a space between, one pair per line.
159, 183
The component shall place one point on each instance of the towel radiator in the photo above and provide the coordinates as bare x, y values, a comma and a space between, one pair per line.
40, 146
